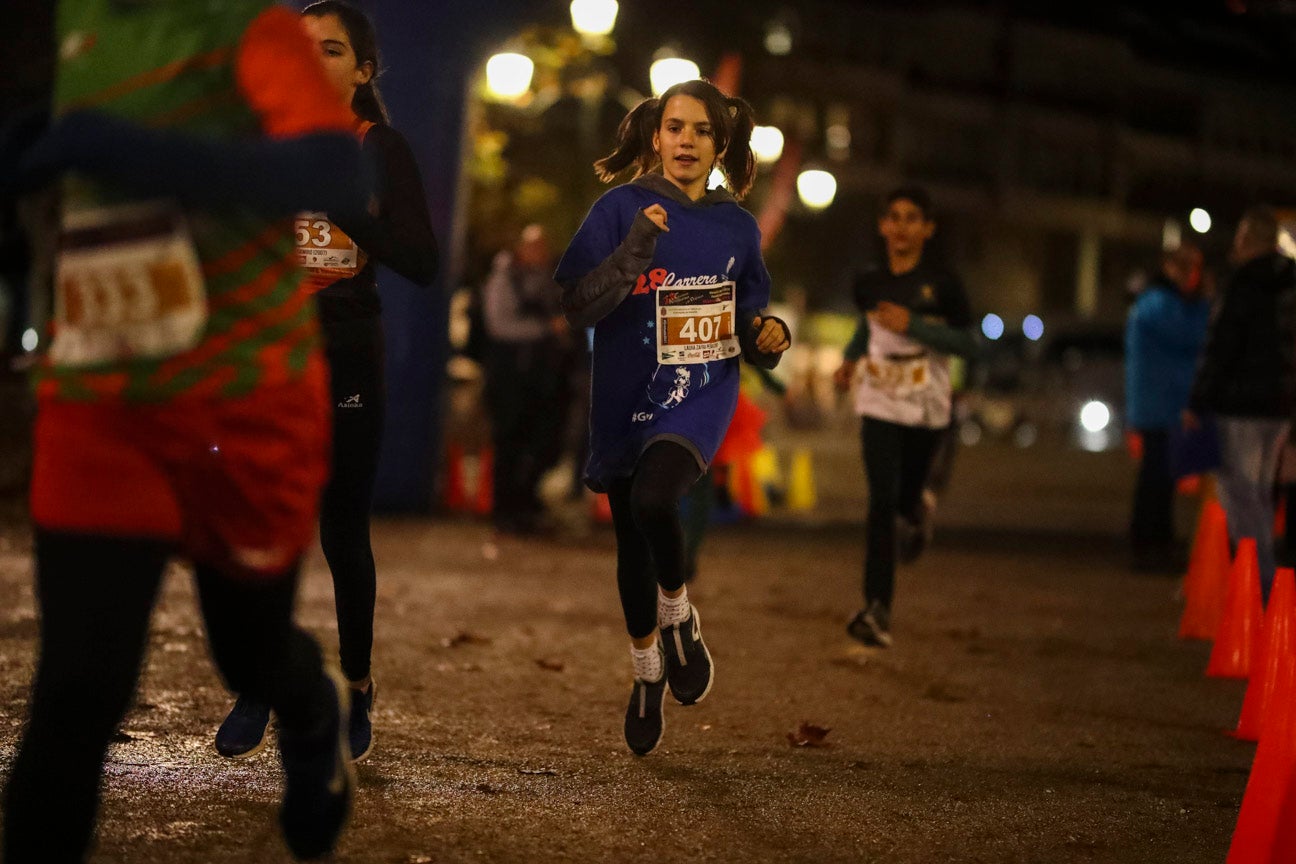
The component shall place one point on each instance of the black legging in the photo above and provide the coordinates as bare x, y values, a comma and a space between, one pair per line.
650, 541
95, 596
355, 355
896, 461
1152, 519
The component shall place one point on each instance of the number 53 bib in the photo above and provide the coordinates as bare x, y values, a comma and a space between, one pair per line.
129, 285
696, 325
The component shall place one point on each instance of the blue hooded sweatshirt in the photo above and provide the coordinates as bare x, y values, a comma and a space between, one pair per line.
672, 311
1164, 334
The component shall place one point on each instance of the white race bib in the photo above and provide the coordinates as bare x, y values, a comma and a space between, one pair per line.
897, 378
128, 284
696, 324
321, 245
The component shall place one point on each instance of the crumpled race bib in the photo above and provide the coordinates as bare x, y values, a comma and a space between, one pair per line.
128, 284
696, 324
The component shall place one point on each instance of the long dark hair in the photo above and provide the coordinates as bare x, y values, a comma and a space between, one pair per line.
367, 102
732, 121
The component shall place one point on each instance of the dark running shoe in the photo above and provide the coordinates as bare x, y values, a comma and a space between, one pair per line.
361, 731
689, 669
243, 733
318, 779
872, 626
644, 723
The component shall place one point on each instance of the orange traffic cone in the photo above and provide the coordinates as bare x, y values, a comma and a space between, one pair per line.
1207, 580
1284, 848
1256, 832
454, 496
485, 502
1279, 641
1238, 642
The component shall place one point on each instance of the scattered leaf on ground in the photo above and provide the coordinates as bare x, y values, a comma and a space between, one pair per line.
551, 665
540, 772
809, 735
464, 637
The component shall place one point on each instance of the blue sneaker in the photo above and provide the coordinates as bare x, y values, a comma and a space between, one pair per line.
318, 779
243, 733
361, 727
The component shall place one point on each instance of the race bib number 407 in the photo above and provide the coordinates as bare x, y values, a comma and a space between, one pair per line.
696, 325
128, 284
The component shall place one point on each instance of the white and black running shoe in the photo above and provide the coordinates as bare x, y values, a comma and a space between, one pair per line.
644, 723
872, 626
688, 662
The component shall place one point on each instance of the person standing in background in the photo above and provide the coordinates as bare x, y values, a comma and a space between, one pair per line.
528, 355
1247, 380
1164, 333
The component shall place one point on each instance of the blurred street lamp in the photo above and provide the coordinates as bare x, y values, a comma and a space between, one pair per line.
778, 39
1033, 327
992, 326
508, 75
669, 71
816, 188
767, 143
1200, 220
593, 17
30, 340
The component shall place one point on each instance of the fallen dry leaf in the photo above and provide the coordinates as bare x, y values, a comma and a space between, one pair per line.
809, 735
551, 665
464, 637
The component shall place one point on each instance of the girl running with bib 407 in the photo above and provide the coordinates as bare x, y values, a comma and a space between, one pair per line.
339, 256
670, 275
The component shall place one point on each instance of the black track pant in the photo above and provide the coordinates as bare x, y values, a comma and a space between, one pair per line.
1152, 519
650, 540
355, 355
95, 596
896, 461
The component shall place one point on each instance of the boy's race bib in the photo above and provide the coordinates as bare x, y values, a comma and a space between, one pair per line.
128, 284
696, 324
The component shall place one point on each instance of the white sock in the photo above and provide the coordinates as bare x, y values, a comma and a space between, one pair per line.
647, 662
672, 610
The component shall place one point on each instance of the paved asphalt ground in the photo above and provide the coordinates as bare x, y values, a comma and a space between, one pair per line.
1035, 708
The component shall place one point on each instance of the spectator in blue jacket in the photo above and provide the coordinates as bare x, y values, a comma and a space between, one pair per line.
1164, 334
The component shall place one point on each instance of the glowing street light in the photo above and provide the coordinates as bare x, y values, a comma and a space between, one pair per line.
816, 188
1033, 327
1200, 220
992, 326
593, 17
508, 75
668, 71
767, 143
778, 39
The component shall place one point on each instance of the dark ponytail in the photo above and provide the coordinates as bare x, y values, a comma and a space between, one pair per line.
739, 162
633, 142
732, 121
367, 102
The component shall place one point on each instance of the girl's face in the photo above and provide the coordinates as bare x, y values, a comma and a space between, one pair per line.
685, 142
339, 57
